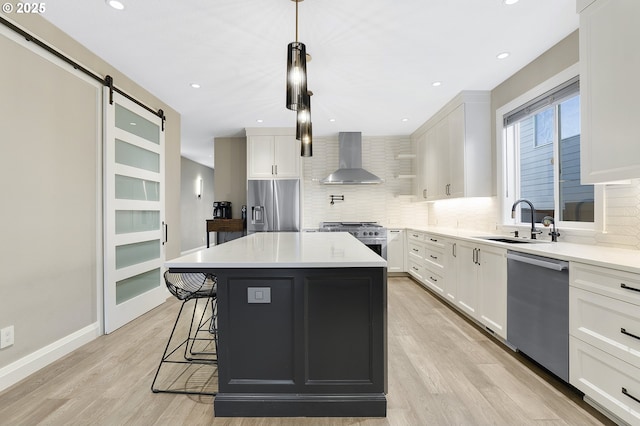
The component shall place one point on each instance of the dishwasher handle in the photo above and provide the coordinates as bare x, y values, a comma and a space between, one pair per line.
556, 265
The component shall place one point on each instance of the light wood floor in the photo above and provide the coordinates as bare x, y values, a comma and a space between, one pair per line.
442, 371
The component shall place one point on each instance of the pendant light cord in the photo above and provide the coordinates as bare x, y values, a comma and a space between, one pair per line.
296, 19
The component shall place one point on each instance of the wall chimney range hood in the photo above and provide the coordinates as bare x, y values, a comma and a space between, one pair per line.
350, 171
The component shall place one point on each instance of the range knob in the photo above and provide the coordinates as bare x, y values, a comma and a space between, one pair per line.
376, 233
354, 233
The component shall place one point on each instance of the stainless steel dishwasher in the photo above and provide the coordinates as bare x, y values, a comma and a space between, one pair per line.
538, 310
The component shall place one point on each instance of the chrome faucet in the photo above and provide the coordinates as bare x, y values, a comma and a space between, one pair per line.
534, 231
548, 220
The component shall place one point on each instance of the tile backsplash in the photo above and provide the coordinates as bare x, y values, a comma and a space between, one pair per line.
387, 203
621, 217
390, 203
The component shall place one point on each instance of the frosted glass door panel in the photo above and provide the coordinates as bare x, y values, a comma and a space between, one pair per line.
134, 286
128, 221
129, 188
132, 254
133, 123
134, 156
134, 227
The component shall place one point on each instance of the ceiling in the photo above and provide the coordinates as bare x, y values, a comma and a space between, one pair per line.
374, 61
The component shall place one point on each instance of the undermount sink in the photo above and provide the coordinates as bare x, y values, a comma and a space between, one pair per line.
509, 240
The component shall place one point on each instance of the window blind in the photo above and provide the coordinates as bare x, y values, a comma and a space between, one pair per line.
553, 96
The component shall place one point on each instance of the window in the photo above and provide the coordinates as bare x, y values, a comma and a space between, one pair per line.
542, 158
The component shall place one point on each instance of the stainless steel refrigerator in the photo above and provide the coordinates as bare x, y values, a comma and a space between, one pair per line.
273, 205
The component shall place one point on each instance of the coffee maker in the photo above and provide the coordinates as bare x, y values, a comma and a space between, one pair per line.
222, 209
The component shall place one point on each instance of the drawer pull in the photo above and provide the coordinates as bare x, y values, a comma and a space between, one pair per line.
434, 240
433, 257
416, 250
623, 331
435, 280
414, 268
624, 391
626, 287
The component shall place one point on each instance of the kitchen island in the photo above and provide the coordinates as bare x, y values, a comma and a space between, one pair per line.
302, 321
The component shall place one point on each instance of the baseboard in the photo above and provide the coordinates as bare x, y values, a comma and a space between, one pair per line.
22, 368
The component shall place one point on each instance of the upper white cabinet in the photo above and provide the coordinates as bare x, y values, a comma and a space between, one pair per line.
272, 154
453, 150
609, 90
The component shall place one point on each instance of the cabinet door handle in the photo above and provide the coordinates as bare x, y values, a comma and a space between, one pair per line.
424, 193
478, 257
453, 250
165, 229
623, 331
625, 392
626, 287
474, 256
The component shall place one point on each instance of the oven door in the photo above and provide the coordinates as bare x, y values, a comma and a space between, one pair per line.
377, 245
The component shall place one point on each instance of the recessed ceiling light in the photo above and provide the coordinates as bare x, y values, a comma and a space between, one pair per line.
195, 85
259, 120
436, 83
510, 2
133, 124
332, 120
503, 55
117, 5
404, 120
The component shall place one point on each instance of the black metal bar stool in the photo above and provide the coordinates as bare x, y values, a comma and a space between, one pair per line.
200, 347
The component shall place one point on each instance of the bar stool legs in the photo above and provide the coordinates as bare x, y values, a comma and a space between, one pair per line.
198, 350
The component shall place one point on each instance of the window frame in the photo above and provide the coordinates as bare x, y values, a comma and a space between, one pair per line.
508, 174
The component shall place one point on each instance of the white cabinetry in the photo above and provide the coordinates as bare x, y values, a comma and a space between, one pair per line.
454, 150
470, 276
415, 255
481, 289
272, 154
609, 90
434, 262
395, 250
604, 344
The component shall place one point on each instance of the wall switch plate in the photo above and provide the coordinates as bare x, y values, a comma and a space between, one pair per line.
259, 295
6, 337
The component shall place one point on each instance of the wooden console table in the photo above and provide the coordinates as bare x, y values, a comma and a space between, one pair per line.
223, 225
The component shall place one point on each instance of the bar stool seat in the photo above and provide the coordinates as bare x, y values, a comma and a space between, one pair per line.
200, 346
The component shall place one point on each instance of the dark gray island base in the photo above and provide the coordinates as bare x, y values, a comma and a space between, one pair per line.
299, 342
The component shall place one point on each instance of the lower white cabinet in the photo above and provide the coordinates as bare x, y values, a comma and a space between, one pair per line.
605, 379
473, 277
481, 285
492, 300
434, 275
395, 250
604, 344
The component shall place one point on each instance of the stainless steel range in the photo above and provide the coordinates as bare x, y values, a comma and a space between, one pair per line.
370, 234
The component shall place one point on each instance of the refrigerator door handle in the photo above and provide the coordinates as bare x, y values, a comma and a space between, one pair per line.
257, 215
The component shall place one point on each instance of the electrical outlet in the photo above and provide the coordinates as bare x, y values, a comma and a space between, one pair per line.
6, 337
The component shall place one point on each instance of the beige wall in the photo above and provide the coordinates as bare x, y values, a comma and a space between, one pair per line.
50, 177
230, 171
195, 211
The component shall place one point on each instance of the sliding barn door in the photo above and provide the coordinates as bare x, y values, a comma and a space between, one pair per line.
134, 228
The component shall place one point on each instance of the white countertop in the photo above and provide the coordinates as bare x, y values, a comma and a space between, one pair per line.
284, 250
609, 257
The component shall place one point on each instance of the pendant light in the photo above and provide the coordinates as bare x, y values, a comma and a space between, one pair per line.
296, 71
303, 127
